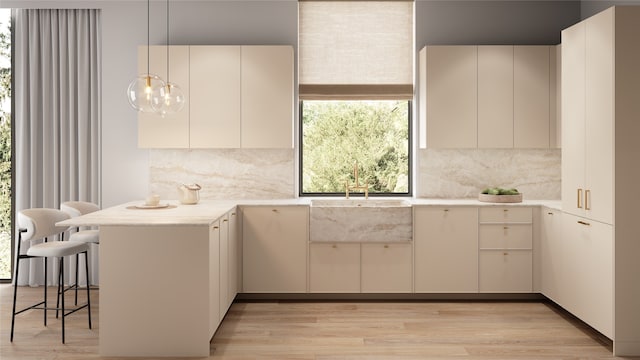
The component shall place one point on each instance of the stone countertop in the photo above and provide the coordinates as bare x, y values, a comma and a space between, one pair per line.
207, 211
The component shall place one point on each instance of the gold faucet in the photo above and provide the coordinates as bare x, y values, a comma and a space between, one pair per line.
357, 186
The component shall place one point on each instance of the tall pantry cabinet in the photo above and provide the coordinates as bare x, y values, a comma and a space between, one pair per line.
600, 113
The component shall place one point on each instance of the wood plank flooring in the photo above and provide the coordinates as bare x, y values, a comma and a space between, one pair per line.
335, 330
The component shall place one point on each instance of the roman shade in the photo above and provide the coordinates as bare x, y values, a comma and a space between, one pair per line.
355, 50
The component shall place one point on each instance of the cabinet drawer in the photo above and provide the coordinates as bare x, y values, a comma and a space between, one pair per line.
505, 236
334, 268
506, 271
504, 214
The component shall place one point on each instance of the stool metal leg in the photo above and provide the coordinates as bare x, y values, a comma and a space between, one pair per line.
15, 295
45, 292
62, 301
86, 265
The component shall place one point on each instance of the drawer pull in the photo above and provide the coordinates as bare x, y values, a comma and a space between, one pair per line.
334, 246
583, 223
587, 194
505, 210
506, 227
215, 227
233, 214
225, 220
446, 210
505, 253
386, 246
549, 213
274, 210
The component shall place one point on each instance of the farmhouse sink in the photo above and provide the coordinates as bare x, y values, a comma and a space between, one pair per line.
360, 220
359, 203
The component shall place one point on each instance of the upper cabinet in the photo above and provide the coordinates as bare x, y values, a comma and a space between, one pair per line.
487, 96
237, 97
450, 99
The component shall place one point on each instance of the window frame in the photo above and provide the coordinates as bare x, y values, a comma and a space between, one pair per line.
409, 192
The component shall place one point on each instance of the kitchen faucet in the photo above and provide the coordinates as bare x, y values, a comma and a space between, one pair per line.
357, 186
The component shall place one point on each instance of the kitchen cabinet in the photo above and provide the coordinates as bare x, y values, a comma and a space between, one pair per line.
505, 250
495, 96
171, 130
224, 265
588, 284
587, 115
275, 249
552, 254
267, 97
600, 156
531, 100
215, 97
451, 97
386, 268
237, 97
487, 96
235, 259
446, 249
334, 267
215, 315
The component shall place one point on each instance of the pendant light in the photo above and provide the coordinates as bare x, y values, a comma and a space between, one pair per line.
171, 100
142, 89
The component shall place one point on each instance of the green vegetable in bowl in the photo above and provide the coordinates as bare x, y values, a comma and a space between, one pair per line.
500, 191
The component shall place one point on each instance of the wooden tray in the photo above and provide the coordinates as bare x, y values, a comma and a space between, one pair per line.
500, 198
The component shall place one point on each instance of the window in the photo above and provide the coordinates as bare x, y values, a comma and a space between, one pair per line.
356, 86
337, 134
5, 144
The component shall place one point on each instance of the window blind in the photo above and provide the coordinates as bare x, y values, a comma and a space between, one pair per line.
355, 49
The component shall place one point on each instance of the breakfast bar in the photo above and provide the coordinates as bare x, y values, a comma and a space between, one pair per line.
159, 278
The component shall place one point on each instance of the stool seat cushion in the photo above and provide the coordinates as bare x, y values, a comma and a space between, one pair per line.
86, 236
57, 249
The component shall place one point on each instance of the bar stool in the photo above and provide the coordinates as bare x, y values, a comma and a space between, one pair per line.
39, 223
88, 236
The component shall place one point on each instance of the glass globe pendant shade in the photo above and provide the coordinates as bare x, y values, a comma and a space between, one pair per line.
141, 91
169, 101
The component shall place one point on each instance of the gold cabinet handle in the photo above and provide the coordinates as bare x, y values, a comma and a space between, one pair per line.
233, 214
224, 220
446, 210
274, 210
215, 227
579, 198
386, 246
334, 246
549, 213
587, 194
505, 253
505, 210
583, 223
505, 227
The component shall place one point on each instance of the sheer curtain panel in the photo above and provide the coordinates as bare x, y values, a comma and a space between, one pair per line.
57, 66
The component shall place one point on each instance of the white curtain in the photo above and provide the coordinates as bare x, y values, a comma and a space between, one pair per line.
57, 91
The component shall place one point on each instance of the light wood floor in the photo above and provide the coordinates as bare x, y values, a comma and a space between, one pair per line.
340, 330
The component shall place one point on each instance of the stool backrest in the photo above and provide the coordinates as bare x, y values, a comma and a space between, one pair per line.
40, 223
77, 208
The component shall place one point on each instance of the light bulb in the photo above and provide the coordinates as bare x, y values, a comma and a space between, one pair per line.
169, 101
142, 89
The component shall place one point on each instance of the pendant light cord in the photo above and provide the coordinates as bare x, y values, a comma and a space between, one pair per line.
168, 43
148, 42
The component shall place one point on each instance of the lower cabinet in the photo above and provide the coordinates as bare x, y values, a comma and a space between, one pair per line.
386, 268
588, 267
446, 249
552, 253
214, 278
274, 249
334, 268
360, 267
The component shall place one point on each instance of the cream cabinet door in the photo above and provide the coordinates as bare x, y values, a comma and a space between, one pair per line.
386, 268
531, 81
573, 115
334, 268
275, 249
552, 253
234, 256
215, 96
267, 97
445, 249
495, 96
171, 130
589, 271
506, 271
599, 102
451, 96
214, 278
224, 265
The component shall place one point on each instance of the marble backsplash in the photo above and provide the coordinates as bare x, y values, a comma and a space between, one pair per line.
224, 173
463, 173
271, 174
